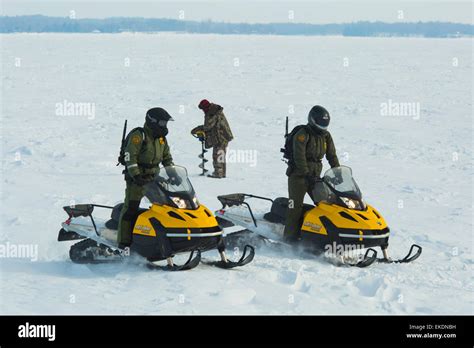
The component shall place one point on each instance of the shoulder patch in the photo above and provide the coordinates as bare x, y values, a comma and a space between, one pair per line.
136, 139
301, 138
162, 141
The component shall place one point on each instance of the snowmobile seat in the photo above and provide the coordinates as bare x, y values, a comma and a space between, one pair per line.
112, 224
279, 210
115, 216
118, 209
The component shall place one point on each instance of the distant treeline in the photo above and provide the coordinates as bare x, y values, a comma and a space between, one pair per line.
44, 24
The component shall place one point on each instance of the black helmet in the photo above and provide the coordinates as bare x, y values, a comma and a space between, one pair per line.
157, 119
318, 118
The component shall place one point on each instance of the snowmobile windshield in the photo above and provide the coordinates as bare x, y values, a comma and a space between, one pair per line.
172, 186
340, 180
342, 184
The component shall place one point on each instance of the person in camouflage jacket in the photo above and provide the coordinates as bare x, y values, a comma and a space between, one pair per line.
217, 134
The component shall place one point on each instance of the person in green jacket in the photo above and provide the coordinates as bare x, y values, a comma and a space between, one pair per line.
146, 148
310, 144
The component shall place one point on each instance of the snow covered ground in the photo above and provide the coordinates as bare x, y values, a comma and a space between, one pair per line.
416, 170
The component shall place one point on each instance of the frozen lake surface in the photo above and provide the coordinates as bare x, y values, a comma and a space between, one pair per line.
415, 169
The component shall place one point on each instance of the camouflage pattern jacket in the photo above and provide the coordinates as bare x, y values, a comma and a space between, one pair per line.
216, 128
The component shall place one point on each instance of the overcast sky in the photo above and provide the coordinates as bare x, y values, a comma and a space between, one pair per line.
256, 11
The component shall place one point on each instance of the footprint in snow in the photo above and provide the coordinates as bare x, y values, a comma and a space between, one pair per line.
22, 150
390, 294
287, 277
369, 286
237, 296
295, 279
300, 284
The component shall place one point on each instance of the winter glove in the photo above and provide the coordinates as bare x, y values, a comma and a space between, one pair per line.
159, 179
173, 177
175, 180
337, 179
142, 180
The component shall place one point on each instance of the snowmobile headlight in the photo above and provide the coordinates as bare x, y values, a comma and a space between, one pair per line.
179, 202
352, 204
196, 202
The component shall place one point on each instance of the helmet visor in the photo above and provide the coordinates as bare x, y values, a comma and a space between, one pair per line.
320, 127
313, 123
160, 123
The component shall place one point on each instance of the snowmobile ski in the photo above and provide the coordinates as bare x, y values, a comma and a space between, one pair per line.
192, 262
247, 257
410, 257
368, 259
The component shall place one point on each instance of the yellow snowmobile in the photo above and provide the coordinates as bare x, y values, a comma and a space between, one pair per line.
175, 223
338, 222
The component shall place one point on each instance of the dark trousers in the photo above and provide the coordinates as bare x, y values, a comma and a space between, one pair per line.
297, 189
133, 195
